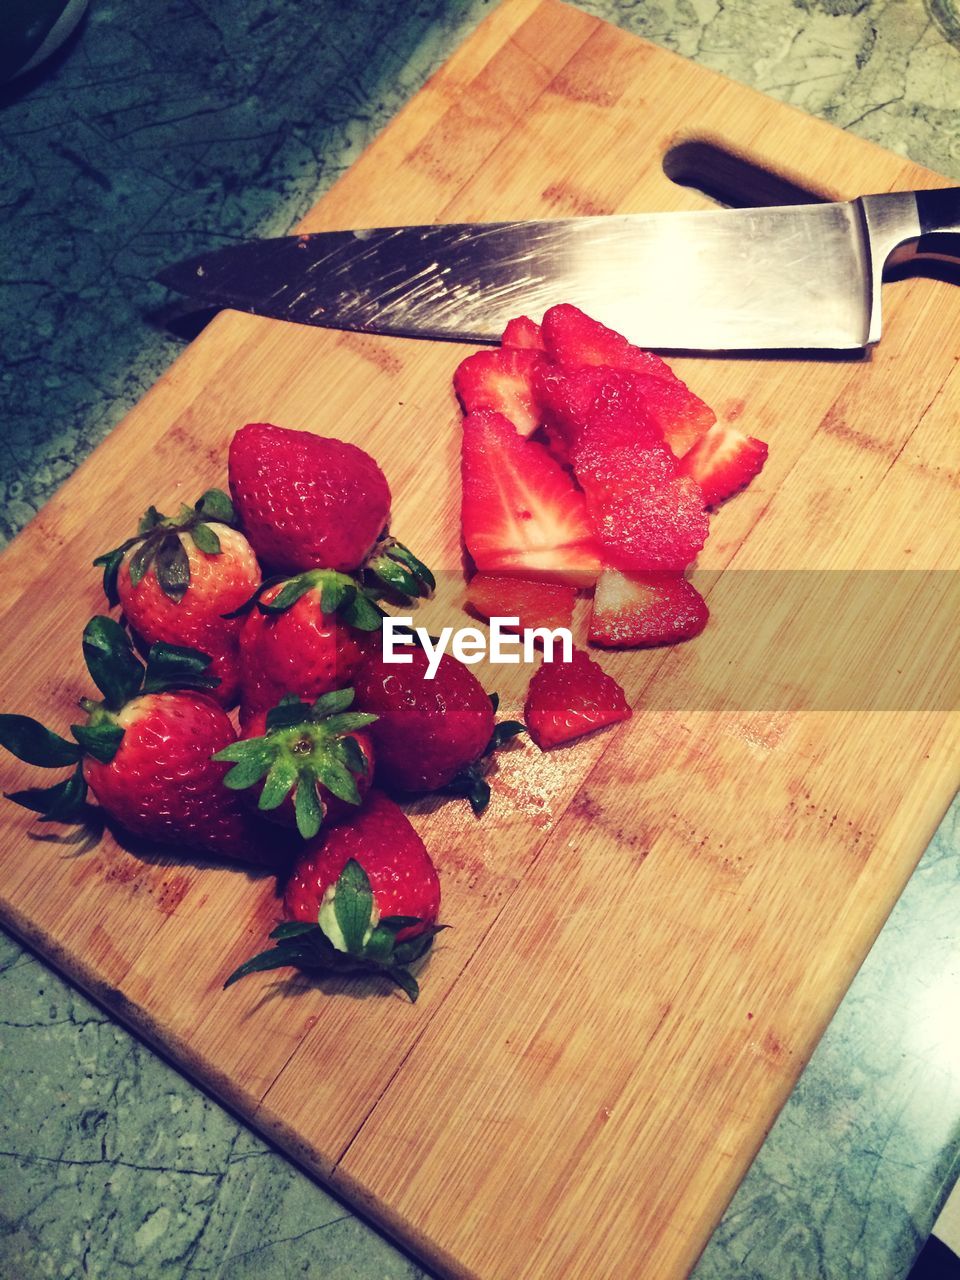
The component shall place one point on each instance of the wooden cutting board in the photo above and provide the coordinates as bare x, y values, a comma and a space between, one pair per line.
651, 927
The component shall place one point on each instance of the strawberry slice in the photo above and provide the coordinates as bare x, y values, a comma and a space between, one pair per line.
568, 699
536, 604
723, 461
523, 332
573, 338
645, 516
522, 514
637, 610
502, 380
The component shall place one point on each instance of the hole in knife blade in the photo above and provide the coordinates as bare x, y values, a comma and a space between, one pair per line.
731, 180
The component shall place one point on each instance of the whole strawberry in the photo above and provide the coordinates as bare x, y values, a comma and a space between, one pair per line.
430, 735
312, 502
179, 574
363, 897
305, 636
306, 766
145, 752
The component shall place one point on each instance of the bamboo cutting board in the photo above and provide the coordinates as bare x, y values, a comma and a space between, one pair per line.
652, 927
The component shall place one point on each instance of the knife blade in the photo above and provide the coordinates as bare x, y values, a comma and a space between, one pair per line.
791, 277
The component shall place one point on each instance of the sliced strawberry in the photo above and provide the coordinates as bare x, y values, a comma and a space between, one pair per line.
522, 514
645, 516
568, 699
501, 379
636, 610
723, 461
535, 604
573, 338
523, 332
573, 399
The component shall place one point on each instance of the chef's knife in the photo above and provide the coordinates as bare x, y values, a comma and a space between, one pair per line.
799, 276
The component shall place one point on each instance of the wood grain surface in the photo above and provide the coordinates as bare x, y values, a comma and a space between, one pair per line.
653, 926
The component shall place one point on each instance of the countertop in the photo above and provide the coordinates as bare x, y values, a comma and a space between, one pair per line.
169, 125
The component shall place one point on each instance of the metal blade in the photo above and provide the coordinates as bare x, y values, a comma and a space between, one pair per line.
722, 280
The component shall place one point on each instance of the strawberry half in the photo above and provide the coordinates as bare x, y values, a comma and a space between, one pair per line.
535, 604
568, 699
645, 516
522, 513
523, 332
574, 340
501, 380
637, 610
363, 898
723, 461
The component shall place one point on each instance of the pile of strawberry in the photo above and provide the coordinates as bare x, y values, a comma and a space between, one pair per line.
588, 464
320, 717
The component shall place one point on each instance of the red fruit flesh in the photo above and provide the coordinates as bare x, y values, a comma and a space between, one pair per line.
162, 784
574, 400
383, 841
638, 610
522, 513
572, 338
306, 501
302, 651
568, 699
335, 809
501, 380
536, 604
523, 332
723, 461
427, 731
644, 515
218, 584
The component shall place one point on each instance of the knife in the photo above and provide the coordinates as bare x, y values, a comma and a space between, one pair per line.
792, 277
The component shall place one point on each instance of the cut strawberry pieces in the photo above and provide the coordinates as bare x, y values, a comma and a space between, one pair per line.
568, 699
501, 380
723, 461
572, 338
638, 610
523, 332
522, 514
534, 604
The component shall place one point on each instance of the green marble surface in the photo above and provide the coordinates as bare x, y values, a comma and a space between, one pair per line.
169, 125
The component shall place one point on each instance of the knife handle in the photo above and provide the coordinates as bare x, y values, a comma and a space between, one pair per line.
939, 215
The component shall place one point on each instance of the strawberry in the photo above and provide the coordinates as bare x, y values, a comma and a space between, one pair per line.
304, 636
568, 699
309, 765
502, 380
575, 399
523, 332
145, 752
723, 461
430, 735
646, 517
311, 502
522, 513
535, 604
178, 575
364, 897
574, 340
643, 609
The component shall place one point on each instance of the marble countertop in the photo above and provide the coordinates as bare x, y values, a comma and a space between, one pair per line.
167, 126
